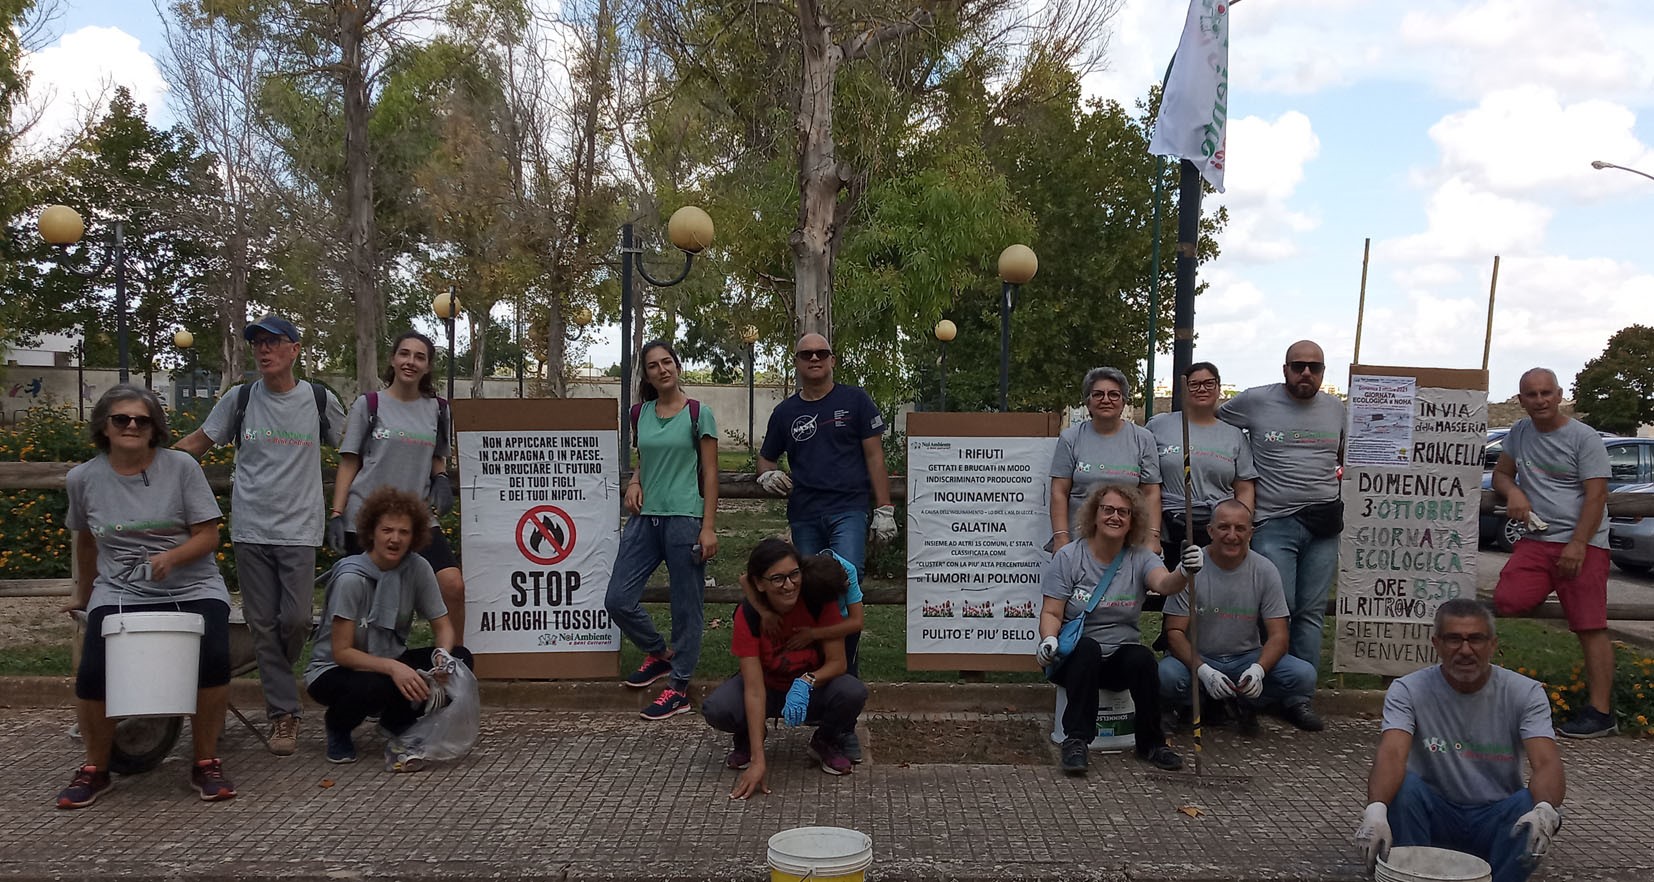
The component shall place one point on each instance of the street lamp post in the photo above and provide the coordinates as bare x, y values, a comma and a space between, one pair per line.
185, 341
690, 231
749, 337
62, 226
1599, 165
945, 332
1017, 264
447, 307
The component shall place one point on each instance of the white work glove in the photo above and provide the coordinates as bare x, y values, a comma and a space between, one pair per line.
884, 523
1191, 560
1217, 685
1046, 654
1541, 822
1373, 837
776, 481
1250, 683
1537, 524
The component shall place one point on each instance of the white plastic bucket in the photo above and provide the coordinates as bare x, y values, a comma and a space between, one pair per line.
1116, 720
152, 663
820, 854
1422, 863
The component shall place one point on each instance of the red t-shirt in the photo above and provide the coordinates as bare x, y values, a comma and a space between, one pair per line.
781, 667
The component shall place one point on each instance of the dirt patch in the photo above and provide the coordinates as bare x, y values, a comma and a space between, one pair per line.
34, 620
998, 742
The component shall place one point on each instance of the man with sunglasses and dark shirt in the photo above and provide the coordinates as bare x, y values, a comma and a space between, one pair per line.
1297, 434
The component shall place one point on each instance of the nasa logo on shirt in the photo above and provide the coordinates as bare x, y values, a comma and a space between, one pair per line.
804, 428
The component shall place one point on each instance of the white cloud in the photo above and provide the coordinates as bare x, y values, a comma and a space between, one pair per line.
1266, 166
1465, 222
81, 68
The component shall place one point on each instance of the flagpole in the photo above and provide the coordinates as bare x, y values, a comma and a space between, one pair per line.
1188, 235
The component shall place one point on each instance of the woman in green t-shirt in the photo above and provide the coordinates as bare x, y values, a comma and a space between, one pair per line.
673, 500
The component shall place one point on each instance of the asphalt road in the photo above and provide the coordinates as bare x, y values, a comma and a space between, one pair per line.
1622, 588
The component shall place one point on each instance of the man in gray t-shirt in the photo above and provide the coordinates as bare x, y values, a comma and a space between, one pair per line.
1449, 767
1553, 474
1297, 435
1234, 594
275, 508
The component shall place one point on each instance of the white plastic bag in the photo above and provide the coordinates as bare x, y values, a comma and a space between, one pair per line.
446, 733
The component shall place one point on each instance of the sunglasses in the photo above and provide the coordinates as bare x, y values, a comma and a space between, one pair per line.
813, 354
1313, 367
124, 420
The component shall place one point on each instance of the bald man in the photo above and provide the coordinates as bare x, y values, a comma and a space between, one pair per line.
1297, 434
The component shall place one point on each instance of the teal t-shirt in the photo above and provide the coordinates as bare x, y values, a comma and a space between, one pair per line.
666, 455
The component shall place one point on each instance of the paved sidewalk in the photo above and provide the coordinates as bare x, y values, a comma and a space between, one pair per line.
561, 795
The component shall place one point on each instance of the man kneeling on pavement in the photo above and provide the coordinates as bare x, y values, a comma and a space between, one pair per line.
1449, 767
1235, 668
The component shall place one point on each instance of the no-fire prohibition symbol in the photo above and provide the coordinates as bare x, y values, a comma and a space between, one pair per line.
545, 535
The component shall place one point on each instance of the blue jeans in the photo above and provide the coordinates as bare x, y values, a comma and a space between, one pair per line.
645, 542
1290, 682
1421, 816
1307, 566
845, 532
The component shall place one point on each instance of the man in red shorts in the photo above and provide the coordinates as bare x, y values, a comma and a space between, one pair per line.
1554, 475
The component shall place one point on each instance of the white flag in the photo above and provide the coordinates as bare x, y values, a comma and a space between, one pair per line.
1195, 106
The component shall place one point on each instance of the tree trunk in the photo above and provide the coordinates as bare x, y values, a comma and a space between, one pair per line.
232, 310
479, 352
557, 346
360, 275
819, 179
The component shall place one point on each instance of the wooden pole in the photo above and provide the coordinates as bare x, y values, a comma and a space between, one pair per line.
1194, 611
1492, 288
1361, 308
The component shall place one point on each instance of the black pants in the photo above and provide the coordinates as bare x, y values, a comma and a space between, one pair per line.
352, 696
1129, 668
834, 706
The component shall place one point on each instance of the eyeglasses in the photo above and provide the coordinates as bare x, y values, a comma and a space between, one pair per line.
268, 342
813, 354
780, 579
123, 420
1454, 641
1202, 385
1106, 395
1313, 367
1109, 511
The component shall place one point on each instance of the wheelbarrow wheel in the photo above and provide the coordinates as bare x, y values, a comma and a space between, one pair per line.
141, 743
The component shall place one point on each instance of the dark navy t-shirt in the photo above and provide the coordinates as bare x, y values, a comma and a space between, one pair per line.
822, 441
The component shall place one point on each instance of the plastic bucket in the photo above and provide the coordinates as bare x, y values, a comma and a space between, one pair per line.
820, 854
153, 663
1421, 863
1116, 720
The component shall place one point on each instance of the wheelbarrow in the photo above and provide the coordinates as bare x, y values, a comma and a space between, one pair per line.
141, 743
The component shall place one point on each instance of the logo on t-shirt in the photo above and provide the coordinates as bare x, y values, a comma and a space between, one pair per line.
804, 428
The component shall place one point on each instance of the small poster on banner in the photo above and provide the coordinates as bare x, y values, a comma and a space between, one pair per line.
1381, 421
540, 539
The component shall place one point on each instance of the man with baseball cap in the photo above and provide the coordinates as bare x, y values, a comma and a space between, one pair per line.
277, 425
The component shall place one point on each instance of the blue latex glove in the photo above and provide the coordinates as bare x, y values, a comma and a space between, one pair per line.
798, 702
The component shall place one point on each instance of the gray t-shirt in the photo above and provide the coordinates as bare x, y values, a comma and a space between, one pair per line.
1552, 468
1072, 573
1126, 457
1295, 445
277, 495
1231, 603
381, 603
1220, 454
1469, 747
135, 517
404, 443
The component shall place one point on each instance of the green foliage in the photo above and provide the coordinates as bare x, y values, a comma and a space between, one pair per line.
1632, 696
1615, 390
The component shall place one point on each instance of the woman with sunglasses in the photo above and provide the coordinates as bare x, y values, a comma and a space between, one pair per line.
1220, 461
147, 526
673, 501
398, 437
1109, 557
1105, 449
797, 681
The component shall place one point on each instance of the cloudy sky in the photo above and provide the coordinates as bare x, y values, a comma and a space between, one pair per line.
1448, 132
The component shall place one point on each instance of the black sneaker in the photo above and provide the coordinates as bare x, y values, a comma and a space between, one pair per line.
653, 668
1303, 716
1162, 757
340, 747
84, 789
208, 778
1589, 723
669, 703
1246, 717
1076, 756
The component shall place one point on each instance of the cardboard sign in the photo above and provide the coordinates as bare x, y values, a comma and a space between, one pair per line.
540, 506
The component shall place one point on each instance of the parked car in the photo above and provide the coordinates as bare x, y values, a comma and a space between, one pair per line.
1631, 539
1495, 446
1630, 463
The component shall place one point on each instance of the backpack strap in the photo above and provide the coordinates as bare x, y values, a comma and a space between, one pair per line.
442, 419
322, 421
241, 396
637, 411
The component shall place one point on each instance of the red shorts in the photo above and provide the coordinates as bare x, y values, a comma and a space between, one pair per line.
1530, 576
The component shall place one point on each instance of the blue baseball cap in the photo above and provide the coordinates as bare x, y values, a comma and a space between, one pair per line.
273, 324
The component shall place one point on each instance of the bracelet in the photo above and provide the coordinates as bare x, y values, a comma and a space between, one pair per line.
1064, 532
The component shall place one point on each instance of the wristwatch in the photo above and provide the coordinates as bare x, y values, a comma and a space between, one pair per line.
810, 678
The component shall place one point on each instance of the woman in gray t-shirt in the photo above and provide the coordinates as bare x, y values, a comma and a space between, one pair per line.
1220, 461
144, 512
1106, 449
398, 437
